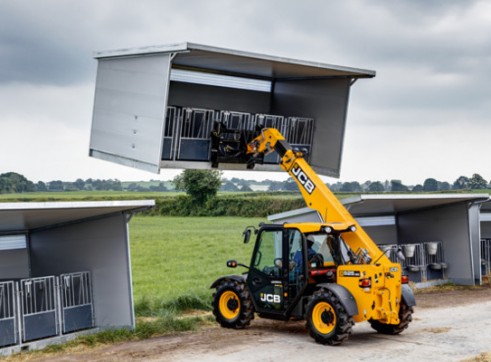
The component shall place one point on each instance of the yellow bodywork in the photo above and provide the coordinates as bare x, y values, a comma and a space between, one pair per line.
382, 299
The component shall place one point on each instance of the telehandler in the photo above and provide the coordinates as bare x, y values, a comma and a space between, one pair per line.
331, 274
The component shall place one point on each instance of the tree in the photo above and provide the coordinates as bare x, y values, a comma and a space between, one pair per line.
11, 182
229, 186
56, 185
290, 185
397, 186
246, 188
461, 183
160, 188
41, 186
376, 187
430, 184
200, 185
351, 187
275, 185
477, 182
443, 186
418, 188
79, 184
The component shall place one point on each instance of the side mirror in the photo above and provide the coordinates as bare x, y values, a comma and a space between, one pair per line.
247, 233
234, 264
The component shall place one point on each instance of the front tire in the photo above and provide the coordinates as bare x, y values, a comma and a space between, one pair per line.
232, 305
328, 321
405, 317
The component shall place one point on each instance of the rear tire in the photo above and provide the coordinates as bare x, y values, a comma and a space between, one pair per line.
405, 317
328, 321
232, 305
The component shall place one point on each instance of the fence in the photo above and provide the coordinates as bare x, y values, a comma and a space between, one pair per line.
423, 261
76, 299
39, 316
187, 132
37, 308
8, 320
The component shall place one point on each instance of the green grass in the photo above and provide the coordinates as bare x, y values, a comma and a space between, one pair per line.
176, 259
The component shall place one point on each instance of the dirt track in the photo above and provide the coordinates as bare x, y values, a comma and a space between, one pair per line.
448, 326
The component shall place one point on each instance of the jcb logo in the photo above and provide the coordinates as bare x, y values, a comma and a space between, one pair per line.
303, 179
270, 298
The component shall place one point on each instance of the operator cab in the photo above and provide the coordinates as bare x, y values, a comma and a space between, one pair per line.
287, 264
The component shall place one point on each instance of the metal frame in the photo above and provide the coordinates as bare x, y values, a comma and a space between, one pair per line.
8, 314
135, 86
39, 308
420, 262
486, 256
77, 305
194, 126
43, 307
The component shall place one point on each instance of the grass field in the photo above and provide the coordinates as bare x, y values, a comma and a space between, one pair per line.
175, 259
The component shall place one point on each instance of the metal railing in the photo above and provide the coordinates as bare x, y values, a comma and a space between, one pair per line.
39, 317
423, 261
8, 314
187, 131
42, 307
76, 301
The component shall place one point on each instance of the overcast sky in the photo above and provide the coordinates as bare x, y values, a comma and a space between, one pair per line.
426, 114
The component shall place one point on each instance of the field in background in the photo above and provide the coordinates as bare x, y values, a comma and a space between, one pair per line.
179, 257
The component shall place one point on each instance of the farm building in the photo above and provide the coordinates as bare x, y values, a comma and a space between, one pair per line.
439, 234
157, 107
64, 267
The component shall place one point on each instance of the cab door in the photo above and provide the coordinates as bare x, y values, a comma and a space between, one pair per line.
275, 279
266, 276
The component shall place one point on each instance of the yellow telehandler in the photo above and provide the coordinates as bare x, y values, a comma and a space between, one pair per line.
331, 274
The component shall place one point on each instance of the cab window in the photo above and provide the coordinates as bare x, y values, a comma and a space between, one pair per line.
269, 253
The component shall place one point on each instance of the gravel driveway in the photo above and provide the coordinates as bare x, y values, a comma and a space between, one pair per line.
449, 326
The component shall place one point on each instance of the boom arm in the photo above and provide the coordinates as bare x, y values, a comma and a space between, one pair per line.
315, 193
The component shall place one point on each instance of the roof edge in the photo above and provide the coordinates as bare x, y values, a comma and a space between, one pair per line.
188, 46
57, 205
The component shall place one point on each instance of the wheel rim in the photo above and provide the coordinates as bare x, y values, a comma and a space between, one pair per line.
229, 305
324, 317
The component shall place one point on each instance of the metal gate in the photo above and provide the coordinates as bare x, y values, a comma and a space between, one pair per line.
486, 256
8, 315
76, 300
187, 133
38, 308
194, 142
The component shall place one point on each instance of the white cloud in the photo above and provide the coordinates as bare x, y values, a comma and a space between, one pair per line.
426, 114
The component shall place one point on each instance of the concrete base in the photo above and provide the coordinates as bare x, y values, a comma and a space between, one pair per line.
43, 343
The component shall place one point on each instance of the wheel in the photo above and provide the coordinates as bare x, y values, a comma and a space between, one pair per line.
232, 305
328, 321
405, 317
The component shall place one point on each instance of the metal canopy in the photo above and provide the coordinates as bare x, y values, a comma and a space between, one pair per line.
226, 61
155, 107
377, 205
28, 216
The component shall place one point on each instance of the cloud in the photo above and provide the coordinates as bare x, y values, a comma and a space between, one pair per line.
433, 63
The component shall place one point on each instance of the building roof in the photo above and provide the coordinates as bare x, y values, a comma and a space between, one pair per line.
191, 56
390, 204
23, 216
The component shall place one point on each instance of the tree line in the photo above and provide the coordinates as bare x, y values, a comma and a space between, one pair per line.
12, 182
475, 182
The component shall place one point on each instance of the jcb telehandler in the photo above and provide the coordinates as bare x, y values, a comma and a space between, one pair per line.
331, 274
